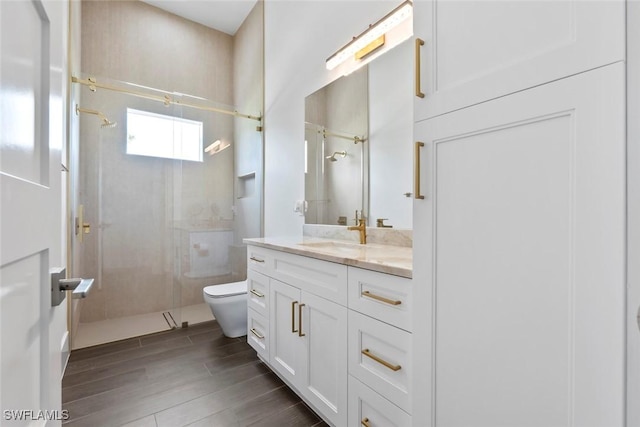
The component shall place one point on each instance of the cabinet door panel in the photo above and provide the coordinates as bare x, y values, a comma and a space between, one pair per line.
368, 406
479, 50
286, 352
387, 365
382, 296
324, 325
259, 259
258, 292
525, 214
323, 278
258, 333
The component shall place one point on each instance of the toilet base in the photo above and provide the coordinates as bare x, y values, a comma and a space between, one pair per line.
233, 327
229, 310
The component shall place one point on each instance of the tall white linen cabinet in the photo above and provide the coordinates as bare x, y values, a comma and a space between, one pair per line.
519, 241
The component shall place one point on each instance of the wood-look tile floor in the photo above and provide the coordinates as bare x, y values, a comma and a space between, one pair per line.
186, 377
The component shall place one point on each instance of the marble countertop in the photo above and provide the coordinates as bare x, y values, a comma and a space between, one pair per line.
396, 260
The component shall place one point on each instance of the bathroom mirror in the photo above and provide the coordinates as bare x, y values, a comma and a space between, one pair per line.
336, 129
374, 177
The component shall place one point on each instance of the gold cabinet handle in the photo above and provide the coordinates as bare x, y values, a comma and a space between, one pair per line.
256, 293
416, 171
256, 259
293, 317
379, 298
254, 332
367, 353
300, 334
419, 43
365, 422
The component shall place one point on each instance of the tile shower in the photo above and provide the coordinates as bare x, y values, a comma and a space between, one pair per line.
161, 229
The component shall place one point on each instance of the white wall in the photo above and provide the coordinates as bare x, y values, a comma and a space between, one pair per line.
299, 37
633, 213
248, 99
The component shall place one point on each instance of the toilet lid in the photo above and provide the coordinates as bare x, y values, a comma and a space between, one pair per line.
226, 290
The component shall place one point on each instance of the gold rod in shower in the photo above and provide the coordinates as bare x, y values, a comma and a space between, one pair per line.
166, 100
355, 139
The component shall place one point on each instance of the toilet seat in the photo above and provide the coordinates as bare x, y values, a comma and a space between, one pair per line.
226, 290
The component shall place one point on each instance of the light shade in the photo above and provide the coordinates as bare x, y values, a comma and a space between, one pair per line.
375, 31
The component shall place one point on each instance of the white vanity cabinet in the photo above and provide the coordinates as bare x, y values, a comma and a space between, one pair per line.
475, 51
338, 335
380, 355
307, 327
258, 312
521, 241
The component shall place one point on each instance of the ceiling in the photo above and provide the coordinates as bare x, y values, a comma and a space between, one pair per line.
222, 15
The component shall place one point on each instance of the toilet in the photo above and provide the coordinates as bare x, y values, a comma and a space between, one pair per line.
228, 303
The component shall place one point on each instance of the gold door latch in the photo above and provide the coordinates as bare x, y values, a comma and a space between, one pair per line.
81, 227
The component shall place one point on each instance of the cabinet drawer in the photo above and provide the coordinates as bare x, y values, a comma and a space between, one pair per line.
258, 292
259, 259
382, 296
368, 407
380, 357
258, 333
322, 278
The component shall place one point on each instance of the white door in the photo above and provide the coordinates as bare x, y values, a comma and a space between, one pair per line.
479, 50
633, 215
32, 117
522, 235
323, 326
286, 353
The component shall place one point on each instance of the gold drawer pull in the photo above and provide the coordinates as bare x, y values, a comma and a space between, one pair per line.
256, 293
256, 259
254, 332
379, 298
293, 317
300, 334
367, 353
365, 422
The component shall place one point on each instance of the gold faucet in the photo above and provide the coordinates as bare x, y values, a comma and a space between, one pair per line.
362, 228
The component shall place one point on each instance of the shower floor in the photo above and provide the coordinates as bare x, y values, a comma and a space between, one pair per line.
105, 331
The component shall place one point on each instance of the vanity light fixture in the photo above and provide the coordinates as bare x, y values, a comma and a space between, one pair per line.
372, 38
216, 147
